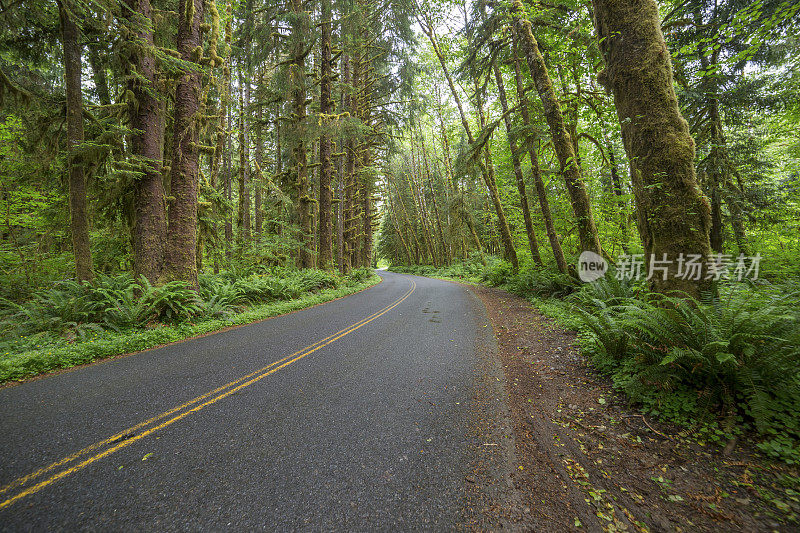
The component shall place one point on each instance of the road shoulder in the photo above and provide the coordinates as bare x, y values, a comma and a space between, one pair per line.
585, 461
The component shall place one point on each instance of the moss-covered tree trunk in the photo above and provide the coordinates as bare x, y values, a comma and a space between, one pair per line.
422, 214
349, 174
406, 222
185, 168
325, 229
78, 209
297, 73
243, 217
445, 256
541, 192
258, 173
673, 215
512, 144
562, 143
367, 219
226, 113
392, 210
150, 222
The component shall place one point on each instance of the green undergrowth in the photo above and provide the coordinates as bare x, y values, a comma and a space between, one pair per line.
721, 368
76, 323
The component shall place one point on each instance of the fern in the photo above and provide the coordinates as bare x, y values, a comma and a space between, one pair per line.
739, 355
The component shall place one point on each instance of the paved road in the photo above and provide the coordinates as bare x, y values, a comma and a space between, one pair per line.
365, 432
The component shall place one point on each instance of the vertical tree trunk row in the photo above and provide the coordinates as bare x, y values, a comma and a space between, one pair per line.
512, 143
563, 145
325, 145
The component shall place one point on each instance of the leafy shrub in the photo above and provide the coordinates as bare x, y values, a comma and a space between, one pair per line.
738, 358
73, 309
65, 310
221, 298
141, 303
357, 275
258, 289
498, 273
315, 280
608, 290
537, 281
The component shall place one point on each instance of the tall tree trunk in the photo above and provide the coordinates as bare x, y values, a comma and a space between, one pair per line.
673, 215
326, 166
340, 179
297, 65
721, 171
277, 131
406, 219
150, 222
226, 112
393, 214
512, 143
258, 175
541, 192
243, 217
564, 148
349, 175
368, 218
616, 183
430, 243
716, 231
78, 211
185, 168
445, 256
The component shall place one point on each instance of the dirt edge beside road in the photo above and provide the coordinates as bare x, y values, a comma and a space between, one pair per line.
586, 461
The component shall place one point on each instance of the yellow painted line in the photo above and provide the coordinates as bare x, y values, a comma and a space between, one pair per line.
262, 373
122, 434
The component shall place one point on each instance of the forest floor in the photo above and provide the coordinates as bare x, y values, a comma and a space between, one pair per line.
584, 460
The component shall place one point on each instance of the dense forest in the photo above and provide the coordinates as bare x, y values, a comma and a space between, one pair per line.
169, 160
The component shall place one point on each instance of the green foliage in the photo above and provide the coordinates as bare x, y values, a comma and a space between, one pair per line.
217, 304
532, 281
358, 275
498, 273
73, 309
738, 357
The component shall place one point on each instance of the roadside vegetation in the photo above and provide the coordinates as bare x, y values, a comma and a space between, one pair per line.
73, 322
721, 367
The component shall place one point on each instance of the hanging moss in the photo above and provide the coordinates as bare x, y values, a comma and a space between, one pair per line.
190, 11
7, 87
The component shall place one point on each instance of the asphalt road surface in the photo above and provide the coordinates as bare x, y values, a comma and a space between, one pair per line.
351, 415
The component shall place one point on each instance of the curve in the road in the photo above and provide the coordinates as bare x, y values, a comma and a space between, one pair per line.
129, 435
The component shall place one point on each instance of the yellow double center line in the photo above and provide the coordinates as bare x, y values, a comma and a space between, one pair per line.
129, 436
